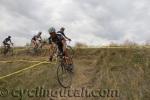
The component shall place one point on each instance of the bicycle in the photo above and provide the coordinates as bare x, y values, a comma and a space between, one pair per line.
36, 50
7, 50
65, 68
55, 52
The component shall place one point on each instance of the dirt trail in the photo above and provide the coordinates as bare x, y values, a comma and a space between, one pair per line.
84, 72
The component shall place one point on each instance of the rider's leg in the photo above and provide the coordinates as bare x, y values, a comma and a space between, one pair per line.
68, 60
34, 46
33, 43
51, 52
6, 47
64, 47
40, 44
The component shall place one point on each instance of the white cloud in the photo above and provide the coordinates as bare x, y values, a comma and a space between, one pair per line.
89, 21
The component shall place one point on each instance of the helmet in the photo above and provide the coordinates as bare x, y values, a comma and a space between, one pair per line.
39, 33
9, 36
51, 30
62, 28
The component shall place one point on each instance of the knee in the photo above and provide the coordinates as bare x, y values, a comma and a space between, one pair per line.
64, 42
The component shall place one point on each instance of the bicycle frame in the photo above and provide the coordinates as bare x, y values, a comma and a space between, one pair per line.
64, 76
7, 49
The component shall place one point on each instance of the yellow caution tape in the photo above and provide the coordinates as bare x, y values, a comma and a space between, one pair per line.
19, 71
18, 61
115, 47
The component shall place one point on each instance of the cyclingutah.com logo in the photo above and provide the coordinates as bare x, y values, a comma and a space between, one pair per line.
3, 92
56, 93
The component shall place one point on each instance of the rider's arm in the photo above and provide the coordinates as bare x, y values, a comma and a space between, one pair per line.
10, 42
63, 34
66, 37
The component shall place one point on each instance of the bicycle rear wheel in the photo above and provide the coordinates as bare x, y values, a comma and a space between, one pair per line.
35, 51
2, 51
5, 51
64, 77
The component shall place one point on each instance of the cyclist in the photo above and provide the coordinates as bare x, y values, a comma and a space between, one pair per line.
62, 29
57, 39
7, 42
36, 40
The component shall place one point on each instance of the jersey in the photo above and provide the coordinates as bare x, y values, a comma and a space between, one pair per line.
7, 40
36, 37
58, 39
62, 33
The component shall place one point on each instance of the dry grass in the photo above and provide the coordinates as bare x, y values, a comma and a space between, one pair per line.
124, 69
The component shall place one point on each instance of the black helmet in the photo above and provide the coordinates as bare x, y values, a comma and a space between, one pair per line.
9, 36
39, 33
62, 28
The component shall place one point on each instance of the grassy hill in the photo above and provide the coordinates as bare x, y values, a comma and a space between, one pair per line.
126, 70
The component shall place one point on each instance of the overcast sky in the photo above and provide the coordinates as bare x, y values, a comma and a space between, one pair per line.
95, 22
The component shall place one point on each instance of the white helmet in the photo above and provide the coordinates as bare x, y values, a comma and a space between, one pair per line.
51, 30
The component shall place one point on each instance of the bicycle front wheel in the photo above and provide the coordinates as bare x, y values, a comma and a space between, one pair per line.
11, 52
64, 77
